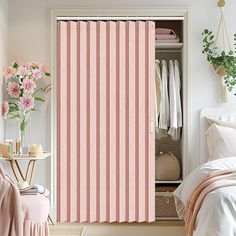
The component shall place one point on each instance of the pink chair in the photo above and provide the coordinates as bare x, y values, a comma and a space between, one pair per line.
21, 215
35, 213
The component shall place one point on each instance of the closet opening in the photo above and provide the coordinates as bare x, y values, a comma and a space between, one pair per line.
169, 44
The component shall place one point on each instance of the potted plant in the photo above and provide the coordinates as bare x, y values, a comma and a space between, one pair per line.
223, 62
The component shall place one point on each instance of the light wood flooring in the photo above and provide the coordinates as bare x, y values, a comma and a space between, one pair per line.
163, 228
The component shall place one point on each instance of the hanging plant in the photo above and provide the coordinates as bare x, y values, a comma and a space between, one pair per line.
224, 62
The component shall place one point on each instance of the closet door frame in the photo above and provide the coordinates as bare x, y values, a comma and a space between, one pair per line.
123, 14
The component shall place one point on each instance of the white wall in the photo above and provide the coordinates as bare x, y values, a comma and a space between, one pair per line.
29, 39
3, 54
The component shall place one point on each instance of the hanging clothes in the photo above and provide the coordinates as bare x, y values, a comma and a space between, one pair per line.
172, 94
157, 90
164, 103
175, 100
178, 95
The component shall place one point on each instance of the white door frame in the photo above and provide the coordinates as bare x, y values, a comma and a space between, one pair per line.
124, 13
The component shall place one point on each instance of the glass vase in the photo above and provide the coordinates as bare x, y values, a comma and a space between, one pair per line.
23, 124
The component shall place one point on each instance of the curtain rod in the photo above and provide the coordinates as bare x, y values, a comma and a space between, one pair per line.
68, 18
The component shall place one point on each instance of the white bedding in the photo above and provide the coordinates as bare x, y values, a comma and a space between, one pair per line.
217, 216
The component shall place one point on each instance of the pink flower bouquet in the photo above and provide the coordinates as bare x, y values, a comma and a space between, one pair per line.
21, 86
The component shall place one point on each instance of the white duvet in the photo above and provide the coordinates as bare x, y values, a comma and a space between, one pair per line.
217, 216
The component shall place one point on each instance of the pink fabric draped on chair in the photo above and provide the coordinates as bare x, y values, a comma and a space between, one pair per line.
21, 215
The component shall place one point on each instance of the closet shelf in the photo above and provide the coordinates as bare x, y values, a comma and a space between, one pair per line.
169, 46
179, 181
168, 218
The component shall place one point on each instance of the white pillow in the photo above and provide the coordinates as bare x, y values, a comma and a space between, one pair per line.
230, 124
221, 141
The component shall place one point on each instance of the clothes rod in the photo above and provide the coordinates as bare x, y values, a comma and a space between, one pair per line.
77, 18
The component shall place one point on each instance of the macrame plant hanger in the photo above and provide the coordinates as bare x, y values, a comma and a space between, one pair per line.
226, 42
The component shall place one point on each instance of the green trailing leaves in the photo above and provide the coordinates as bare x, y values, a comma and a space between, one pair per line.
226, 60
39, 99
40, 90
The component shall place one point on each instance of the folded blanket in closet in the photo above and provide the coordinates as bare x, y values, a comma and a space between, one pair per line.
36, 189
163, 35
210, 182
164, 31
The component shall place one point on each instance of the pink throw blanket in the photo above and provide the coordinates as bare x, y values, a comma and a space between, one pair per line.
164, 31
210, 182
163, 35
11, 220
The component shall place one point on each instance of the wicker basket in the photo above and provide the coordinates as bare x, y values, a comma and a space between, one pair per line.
165, 205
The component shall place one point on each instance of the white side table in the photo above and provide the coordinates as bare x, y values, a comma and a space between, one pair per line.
16, 167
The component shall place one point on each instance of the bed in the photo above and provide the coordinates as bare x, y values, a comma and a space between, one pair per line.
207, 197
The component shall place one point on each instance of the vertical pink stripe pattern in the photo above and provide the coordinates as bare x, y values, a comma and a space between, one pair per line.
150, 114
141, 118
113, 121
106, 152
131, 124
73, 186
83, 122
103, 122
121, 119
63, 122
93, 119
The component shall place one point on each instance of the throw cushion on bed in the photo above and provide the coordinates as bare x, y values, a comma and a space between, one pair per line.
229, 124
221, 141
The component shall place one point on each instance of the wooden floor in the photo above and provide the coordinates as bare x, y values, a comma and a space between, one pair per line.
66, 229
75, 229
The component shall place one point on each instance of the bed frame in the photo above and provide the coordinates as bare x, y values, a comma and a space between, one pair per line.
219, 113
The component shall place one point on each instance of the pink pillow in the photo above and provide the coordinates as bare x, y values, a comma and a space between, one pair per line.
221, 141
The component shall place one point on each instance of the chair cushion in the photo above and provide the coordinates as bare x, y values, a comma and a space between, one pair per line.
35, 207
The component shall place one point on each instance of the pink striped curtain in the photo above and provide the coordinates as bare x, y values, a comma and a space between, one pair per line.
105, 102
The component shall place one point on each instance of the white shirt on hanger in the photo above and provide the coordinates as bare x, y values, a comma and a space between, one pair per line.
158, 89
175, 100
178, 95
164, 103
172, 94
